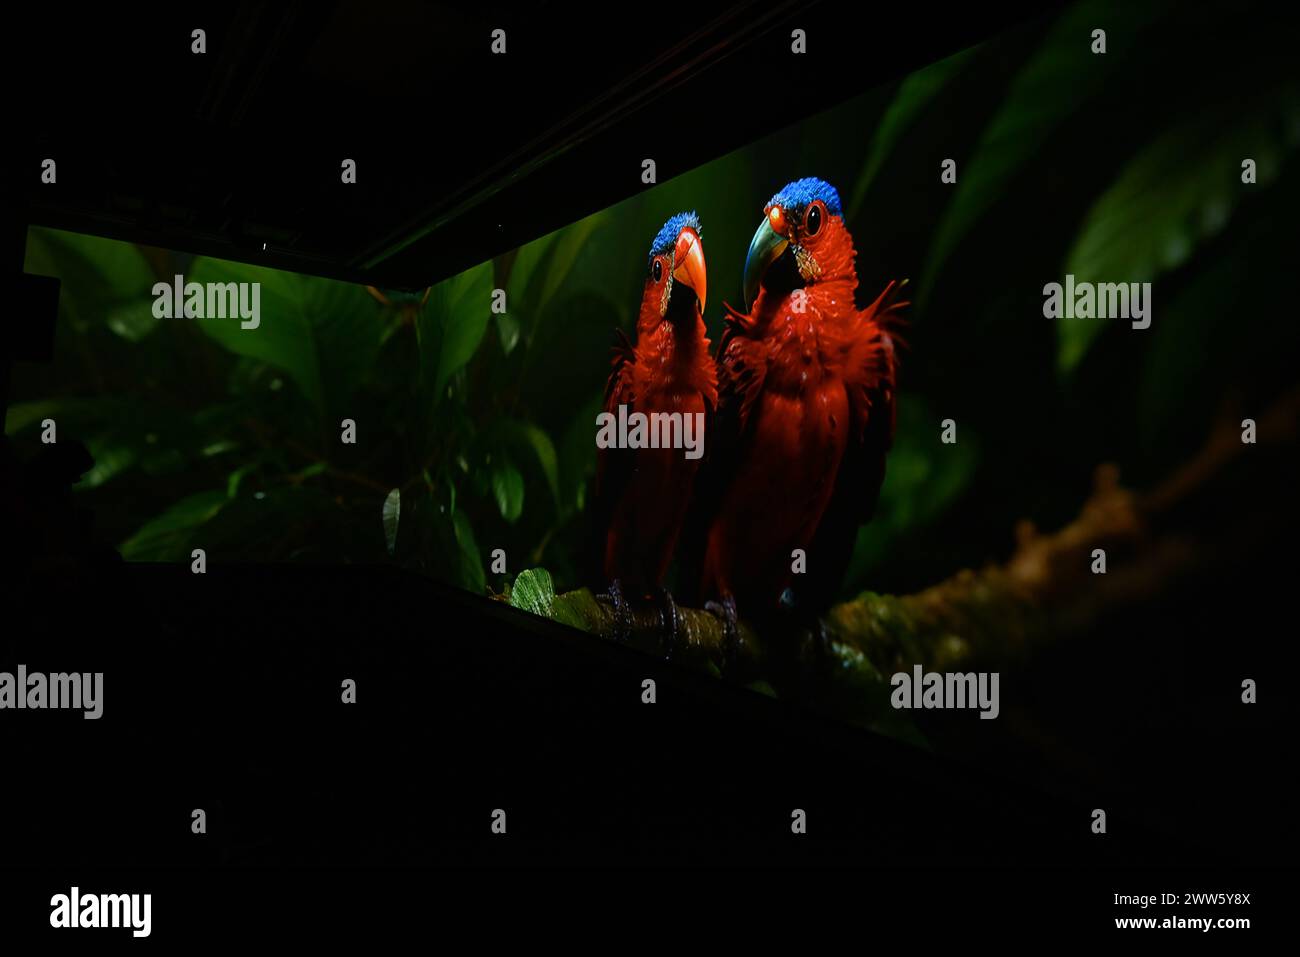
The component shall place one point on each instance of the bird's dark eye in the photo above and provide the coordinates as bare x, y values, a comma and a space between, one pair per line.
659, 269
812, 223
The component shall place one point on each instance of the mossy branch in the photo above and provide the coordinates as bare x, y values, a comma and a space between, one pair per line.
1047, 590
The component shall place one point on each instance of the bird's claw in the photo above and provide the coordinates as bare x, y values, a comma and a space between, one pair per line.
671, 620
823, 640
725, 611
820, 654
622, 612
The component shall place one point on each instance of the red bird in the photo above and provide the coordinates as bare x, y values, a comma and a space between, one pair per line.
642, 492
806, 385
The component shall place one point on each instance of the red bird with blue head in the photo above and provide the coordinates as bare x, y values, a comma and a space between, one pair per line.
642, 494
806, 391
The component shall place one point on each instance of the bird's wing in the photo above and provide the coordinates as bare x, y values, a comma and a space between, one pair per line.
741, 367
872, 387
872, 370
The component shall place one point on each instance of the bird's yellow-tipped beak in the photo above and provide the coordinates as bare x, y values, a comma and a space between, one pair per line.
764, 249
689, 260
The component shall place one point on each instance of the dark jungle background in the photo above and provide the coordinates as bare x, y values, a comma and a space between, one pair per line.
475, 431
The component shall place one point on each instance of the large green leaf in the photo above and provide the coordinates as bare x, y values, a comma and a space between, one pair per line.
1221, 320
103, 280
565, 252
284, 336
452, 324
472, 575
541, 267
94, 267
914, 94
1053, 85
1178, 192
348, 331
167, 537
323, 334
523, 270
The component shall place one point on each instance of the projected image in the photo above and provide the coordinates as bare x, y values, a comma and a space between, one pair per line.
867, 414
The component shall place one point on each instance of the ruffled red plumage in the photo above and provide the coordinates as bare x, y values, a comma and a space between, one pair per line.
805, 418
642, 495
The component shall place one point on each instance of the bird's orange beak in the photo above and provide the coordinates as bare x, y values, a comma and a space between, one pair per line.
689, 260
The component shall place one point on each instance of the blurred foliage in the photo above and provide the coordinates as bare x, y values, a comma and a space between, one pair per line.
475, 430
1061, 75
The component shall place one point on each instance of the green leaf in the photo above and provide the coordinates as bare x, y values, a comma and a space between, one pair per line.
508, 330
527, 440
541, 267
546, 457
1178, 192
24, 415
1217, 323
348, 330
533, 591
392, 512
133, 320
565, 253
110, 461
1062, 76
98, 270
471, 565
167, 537
236, 478
508, 490
283, 338
452, 325
914, 94
526, 262
101, 278
323, 334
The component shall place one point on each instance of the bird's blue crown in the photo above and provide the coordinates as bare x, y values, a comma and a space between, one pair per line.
667, 237
801, 192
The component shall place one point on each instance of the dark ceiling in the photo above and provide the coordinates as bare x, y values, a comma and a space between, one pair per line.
461, 154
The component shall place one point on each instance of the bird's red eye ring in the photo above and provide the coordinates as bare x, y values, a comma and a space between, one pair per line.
776, 216
814, 217
658, 268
